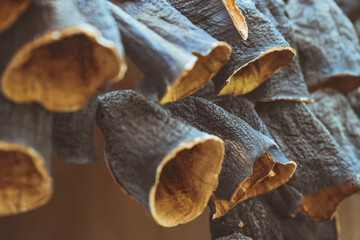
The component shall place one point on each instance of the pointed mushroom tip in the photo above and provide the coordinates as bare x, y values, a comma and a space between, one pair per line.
244, 33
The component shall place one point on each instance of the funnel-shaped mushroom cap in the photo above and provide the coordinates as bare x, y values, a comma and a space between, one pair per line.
55, 58
253, 60
169, 167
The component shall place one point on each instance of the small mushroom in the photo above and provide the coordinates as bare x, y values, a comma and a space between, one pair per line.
53, 56
328, 46
253, 60
247, 159
176, 57
25, 149
72, 134
169, 167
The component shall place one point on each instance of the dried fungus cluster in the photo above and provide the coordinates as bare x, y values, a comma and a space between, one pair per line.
271, 144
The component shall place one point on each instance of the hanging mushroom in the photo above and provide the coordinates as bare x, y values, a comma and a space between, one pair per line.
328, 45
247, 160
160, 161
336, 114
53, 55
288, 83
283, 169
72, 134
253, 60
167, 22
174, 66
25, 148
324, 174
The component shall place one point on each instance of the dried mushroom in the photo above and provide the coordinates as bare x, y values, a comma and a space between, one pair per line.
53, 56
288, 83
324, 174
160, 161
167, 22
253, 60
25, 149
247, 159
328, 46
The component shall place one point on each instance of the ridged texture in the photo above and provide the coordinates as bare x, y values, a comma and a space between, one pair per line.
252, 218
72, 134
48, 54
160, 161
25, 150
327, 42
167, 22
324, 174
247, 159
288, 83
253, 60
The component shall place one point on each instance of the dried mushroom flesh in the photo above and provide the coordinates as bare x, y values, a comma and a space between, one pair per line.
169, 167
253, 60
48, 54
25, 148
283, 169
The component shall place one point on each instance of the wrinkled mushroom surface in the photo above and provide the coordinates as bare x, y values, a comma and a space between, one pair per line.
169, 167
53, 56
25, 148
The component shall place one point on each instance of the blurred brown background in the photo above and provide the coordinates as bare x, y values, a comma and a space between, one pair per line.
88, 205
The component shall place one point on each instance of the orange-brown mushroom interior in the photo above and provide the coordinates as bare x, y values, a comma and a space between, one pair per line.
23, 186
266, 176
251, 75
237, 17
187, 182
10, 10
195, 78
60, 72
342, 82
